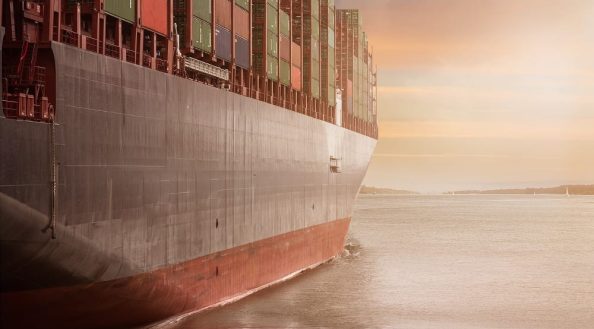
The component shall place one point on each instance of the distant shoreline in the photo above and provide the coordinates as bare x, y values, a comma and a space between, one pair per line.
557, 190
381, 190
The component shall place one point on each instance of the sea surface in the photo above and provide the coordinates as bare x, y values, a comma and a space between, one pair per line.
440, 262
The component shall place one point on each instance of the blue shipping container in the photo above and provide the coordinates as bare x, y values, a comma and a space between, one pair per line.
242, 52
223, 43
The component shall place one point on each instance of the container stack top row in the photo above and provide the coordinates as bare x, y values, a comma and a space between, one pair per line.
305, 45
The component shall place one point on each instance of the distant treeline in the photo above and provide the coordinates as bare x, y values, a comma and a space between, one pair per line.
573, 189
380, 190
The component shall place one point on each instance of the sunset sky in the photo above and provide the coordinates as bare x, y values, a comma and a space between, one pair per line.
482, 93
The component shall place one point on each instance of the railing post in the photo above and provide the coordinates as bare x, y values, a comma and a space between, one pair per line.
77, 24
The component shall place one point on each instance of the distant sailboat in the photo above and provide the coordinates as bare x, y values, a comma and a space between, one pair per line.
567, 191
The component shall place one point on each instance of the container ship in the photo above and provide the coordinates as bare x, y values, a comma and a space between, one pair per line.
160, 157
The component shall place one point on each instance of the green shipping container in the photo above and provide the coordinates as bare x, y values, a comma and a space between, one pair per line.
285, 24
315, 8
331, 57
272, 68
285, 73
202, 9
315, 69
272, 44
125, 10
331, 38
361, 44
245, 4
332, 95
315, 50
201, 34
315, 29
315, 88
272, 18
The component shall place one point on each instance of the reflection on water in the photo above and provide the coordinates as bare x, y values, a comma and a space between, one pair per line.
440, 262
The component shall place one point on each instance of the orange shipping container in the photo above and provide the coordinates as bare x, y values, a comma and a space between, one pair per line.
241, 22
223, 13
153, 15
295, 77
296, 54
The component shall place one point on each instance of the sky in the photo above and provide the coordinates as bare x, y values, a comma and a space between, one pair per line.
481, 94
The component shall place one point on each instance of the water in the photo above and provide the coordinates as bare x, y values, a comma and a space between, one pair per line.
440, 262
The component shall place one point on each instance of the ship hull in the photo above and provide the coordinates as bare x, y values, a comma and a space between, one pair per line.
173, 290
160, 180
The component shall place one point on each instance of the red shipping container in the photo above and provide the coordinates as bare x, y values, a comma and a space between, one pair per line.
285, 48
295, 77
241, 22
153, 15
223, 13
296, 54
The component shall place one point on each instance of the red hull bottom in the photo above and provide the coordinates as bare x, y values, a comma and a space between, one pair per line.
177, 289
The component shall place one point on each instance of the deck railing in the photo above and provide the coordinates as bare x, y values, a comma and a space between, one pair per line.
162, 65
69, 37
112, 50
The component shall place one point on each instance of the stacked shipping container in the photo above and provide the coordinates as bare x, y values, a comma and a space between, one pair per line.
353, 24
223, 38
241, 25
311, 49
355, 66
344, 60
194, 25
296, 65
285, 47
122, 9
295, 12
265, 34
229, 19
327, 48
152, 15
364, 79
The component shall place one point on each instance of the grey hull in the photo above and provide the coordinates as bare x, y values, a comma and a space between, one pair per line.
153, 170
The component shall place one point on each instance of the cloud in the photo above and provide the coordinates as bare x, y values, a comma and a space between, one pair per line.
449, 91
455, 75
459, 155
473, 33
505, 130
